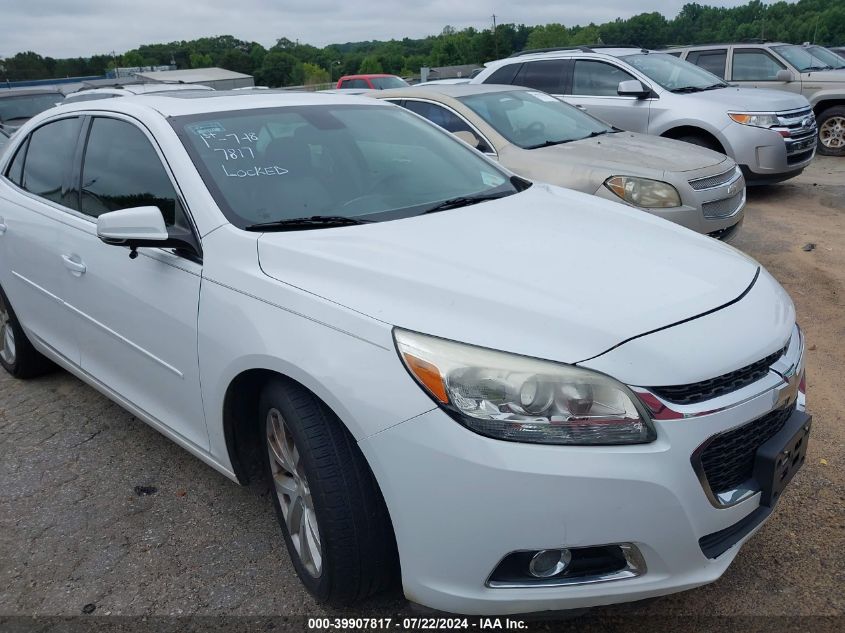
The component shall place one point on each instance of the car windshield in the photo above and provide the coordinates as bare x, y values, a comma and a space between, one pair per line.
531, 119
804, 58
364, 162
674, 74
828, 57
386, 83
23, 107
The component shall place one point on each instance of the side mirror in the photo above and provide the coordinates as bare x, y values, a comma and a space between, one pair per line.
144, 226
633, 88
784, 75
468, 137
139, 226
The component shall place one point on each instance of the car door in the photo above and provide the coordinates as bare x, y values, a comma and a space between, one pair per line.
136, 318
34, 206
758, 68
594, 88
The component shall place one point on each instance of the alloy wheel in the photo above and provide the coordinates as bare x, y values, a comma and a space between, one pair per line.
294, 493
7, 336
832, 132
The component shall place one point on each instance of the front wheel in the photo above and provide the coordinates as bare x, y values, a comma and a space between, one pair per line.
831, 124
17, 355
333, 517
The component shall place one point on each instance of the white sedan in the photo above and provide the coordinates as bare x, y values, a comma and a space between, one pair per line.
522, 397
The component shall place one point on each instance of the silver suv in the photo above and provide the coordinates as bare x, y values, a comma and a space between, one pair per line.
811, 71
770, 134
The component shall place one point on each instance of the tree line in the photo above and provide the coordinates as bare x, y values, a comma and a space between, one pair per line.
289, 62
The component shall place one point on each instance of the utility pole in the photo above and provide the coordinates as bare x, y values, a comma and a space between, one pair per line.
495, 39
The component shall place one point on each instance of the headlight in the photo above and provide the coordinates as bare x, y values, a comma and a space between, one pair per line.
755, 120
642, 192
521, 399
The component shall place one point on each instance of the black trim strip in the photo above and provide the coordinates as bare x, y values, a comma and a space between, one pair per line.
715, 544
681, 322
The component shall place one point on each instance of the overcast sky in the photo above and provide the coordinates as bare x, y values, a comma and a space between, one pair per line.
73, 28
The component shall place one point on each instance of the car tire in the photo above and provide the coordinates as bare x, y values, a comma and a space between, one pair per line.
831, 124
17, 355
701, 141
333, 517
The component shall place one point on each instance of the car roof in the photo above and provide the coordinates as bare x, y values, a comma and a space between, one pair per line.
189, 102
367, 75
614, 51
455, 91
717, 44
21, 92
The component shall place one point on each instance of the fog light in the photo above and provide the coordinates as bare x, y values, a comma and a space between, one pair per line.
549, 562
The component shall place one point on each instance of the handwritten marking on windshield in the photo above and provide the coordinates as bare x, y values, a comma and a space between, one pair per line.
273, 170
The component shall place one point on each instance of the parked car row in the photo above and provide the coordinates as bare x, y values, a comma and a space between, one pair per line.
405, 327
543, 139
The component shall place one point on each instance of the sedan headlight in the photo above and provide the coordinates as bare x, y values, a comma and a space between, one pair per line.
642, 192
521, 399
755, 120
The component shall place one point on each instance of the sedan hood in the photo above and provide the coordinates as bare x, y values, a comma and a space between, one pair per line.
549, 272
628, 152
751, 99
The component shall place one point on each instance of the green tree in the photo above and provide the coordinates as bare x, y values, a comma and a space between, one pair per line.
370, 64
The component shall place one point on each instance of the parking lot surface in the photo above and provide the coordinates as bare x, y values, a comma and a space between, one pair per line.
101, 514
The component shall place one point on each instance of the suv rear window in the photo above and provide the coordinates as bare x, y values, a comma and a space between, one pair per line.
543, 75
711, 60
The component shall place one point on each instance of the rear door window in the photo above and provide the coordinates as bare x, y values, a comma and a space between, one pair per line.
543, 75
504, 75
711, 60
49, 161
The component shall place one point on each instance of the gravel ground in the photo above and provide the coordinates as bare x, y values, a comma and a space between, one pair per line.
98, 511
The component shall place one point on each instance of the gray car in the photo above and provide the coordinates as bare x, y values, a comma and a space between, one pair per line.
537, 136
770, 134
811, 71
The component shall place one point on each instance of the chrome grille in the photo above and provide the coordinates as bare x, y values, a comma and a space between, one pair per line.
728, 458
714, 181
801, 126
723, 208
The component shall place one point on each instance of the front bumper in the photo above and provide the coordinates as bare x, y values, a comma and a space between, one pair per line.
460, 502
715, 209
764, 155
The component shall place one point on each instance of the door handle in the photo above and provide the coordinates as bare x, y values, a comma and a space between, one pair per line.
73, 265
580, 107
3, 226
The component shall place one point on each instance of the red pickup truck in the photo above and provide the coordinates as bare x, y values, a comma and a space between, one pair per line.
372, 82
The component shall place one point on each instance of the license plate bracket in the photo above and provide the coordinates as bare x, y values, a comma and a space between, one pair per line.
782, 456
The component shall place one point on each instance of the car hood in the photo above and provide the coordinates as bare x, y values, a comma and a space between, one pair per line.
825, 76
629, 153
549, 272
751, 99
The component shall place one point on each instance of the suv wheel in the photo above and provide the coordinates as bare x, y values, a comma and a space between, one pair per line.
701, 141
17, 355
831, 124
333, 517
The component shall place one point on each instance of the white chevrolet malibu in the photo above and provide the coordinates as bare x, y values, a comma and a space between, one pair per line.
513, 396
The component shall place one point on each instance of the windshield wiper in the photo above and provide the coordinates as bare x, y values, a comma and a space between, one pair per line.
299, 224
817, 68
465, 201
548, 143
